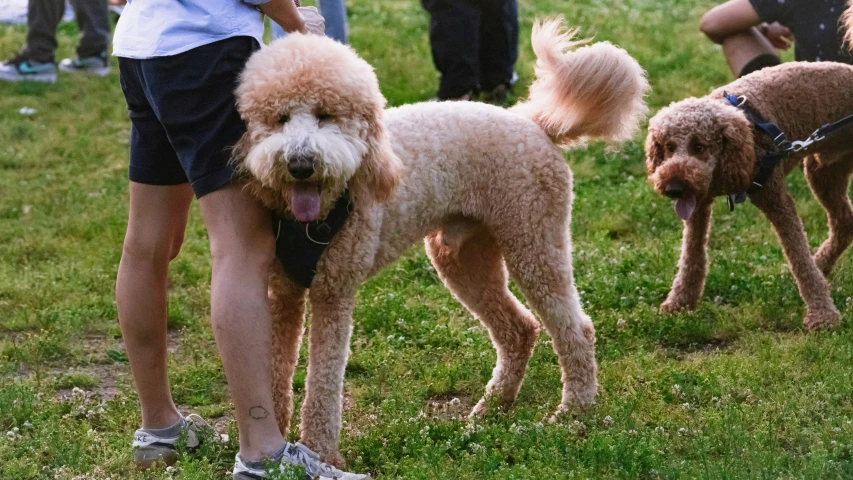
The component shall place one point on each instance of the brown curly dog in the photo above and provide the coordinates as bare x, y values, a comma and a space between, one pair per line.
701, 148
488, 189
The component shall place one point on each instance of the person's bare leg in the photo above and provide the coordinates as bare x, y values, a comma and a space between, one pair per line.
742, 48
155, 231
242, 249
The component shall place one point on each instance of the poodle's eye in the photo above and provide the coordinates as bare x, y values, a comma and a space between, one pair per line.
284, 118
698, 148
670, 147
325, 117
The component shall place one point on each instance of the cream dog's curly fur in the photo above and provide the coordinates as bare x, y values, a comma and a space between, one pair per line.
707, 148
488, 188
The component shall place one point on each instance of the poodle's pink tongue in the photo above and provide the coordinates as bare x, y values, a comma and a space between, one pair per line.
685, 205
305, 202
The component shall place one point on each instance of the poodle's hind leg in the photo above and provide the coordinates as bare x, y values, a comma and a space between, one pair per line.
287, 305
830, 184
470, 264
541, 265
778, 206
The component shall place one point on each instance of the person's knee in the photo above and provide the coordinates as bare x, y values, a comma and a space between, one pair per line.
244, 249
153, 250
711, 26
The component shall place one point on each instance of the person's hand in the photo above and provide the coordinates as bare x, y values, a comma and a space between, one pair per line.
314, 22
779, 35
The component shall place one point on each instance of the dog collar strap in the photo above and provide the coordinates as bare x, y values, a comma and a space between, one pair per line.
299, 245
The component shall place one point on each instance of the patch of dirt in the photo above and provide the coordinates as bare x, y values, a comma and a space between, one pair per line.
109, 378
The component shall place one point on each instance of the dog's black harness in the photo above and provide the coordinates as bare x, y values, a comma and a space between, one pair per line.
784, 146
299, 245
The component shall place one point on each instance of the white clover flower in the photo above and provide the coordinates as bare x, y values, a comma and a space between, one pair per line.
608, 420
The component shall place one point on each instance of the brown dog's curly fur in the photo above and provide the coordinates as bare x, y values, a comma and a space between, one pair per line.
709, 148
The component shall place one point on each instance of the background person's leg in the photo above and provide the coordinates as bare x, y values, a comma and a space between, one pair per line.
155, 231
93, 18
242, 249
498, 42
453, 37
43, 16
335, 13
748, 52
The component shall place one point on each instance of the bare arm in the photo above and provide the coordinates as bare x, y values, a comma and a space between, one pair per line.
284, 13
734, 16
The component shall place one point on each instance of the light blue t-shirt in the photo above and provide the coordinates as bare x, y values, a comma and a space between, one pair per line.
159, 28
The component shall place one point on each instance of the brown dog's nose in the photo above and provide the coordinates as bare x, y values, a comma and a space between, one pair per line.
301, 166
675, 189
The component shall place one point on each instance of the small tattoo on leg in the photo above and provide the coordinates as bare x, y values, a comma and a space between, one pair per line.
258, 413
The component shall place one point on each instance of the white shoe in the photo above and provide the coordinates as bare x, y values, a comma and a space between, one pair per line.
149, 449
296, 454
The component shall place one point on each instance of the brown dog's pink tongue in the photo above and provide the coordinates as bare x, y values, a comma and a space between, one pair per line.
685, 205
305, 202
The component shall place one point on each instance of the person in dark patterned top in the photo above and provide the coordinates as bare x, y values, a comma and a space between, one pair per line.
750, 32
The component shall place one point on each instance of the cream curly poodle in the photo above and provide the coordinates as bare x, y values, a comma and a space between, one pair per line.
488, 189
701, 148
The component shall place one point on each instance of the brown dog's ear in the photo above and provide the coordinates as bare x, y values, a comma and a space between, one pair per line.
654, 152
379, 172
737, 157
240, 150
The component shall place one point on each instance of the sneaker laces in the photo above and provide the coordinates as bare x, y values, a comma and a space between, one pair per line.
195, 424
197, 421
311, 461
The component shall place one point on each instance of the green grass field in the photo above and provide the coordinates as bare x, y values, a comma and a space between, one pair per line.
735, 389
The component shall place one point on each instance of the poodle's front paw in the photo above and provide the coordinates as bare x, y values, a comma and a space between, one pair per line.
568, 408
488, 404
821, 319
334, 459
674, 304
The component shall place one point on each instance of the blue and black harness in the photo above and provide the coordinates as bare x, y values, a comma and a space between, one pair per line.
784, 146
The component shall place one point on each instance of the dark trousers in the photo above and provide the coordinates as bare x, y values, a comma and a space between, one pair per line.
43, 16
474, 43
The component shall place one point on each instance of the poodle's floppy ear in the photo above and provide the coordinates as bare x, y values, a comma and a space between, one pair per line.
240, 150
379, 172
654, 151
737, 157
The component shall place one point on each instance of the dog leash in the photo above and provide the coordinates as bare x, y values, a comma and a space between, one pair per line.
784, 146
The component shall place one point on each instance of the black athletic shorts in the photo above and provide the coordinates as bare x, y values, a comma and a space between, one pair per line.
183, 114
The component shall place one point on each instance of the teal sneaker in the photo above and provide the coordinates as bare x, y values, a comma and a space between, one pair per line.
20, 68
96, 65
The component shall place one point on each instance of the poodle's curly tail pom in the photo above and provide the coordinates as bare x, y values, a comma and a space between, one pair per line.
847, 25
583, 90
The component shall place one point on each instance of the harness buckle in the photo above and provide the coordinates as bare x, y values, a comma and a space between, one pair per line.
741, 101
799, 145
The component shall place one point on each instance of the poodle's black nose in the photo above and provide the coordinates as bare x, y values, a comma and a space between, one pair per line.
301, 166
674, 190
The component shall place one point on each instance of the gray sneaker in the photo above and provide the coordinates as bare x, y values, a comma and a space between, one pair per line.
295, 454
97, 65
149, 448
20, 68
